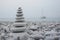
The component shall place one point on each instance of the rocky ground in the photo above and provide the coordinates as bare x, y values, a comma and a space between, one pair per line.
34, 30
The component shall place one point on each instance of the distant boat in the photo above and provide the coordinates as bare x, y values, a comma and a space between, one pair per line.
43, 17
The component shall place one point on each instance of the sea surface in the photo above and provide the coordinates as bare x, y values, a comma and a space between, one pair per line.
31, 19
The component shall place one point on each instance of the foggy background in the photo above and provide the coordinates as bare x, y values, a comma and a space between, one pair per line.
31, 8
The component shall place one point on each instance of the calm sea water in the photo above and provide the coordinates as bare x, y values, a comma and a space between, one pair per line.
31, 19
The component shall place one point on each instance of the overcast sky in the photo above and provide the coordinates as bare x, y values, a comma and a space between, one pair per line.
31, 8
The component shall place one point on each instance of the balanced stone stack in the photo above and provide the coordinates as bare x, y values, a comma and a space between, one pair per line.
19, 25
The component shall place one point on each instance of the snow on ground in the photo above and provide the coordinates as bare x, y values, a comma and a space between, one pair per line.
43, 29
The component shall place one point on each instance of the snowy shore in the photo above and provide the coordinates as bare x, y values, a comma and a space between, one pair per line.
40, 30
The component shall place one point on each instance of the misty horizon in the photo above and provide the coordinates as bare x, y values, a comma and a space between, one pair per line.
30, 8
